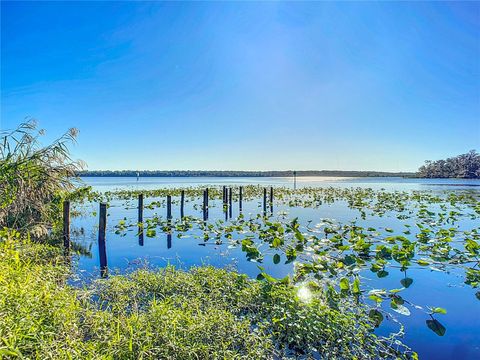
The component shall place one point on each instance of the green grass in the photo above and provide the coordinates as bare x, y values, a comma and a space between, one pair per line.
204, 313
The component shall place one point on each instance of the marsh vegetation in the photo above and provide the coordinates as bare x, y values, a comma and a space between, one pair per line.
332, 272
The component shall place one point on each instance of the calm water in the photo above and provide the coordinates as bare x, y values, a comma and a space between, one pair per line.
127, 252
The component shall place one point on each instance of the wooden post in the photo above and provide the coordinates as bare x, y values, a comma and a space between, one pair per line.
240, 198
66, 226
264, 201
140, 220
169, 240
225, 204
182, 202
204, 205
205, 200
102, 251
230, 203
140, 208
224, 195
271, 199
169, 207
294, 180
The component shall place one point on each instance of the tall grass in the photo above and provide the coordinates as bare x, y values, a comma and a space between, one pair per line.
33, 177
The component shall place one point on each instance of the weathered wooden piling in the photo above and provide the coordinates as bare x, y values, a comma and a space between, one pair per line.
182, 203
140, 208
294, 180
169, 207
230, 202
225, 204
271, 199
205, 206
140, 220
224, 195
240, 198
66, 226
264, 201
102, 249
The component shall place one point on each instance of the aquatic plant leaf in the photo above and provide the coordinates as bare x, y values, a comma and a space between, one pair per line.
376, 316
276, 259
344, 284
436, 327
356, 286
406, 282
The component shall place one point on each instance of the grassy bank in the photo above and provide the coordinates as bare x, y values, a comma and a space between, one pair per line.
205, 313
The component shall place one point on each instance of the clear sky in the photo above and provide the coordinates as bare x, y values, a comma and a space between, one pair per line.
246, 86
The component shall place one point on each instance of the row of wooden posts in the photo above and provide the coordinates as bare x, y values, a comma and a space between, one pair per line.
102, 224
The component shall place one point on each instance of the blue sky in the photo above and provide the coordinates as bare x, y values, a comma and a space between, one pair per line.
246, 86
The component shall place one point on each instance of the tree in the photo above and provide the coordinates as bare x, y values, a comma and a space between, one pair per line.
465, 166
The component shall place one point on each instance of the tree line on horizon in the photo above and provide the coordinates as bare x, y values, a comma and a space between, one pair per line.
464, 166
233, 173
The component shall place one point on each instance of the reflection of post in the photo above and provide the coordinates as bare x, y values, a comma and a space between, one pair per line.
140, 234
294, 180
182, 202
66, 226
169, 239
102, 251
140, 208
271, 199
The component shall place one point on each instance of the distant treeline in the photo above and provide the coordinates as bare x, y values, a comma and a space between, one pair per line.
465, 166
229, 173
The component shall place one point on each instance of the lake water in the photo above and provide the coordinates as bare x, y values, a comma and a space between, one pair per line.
127, 251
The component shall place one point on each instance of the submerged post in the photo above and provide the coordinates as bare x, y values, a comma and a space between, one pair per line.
102, 250
240, 198
66, 226
140, 208
169, 207
182, 202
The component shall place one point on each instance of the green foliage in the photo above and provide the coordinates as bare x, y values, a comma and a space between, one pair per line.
461, 166
205, 313
33, 178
